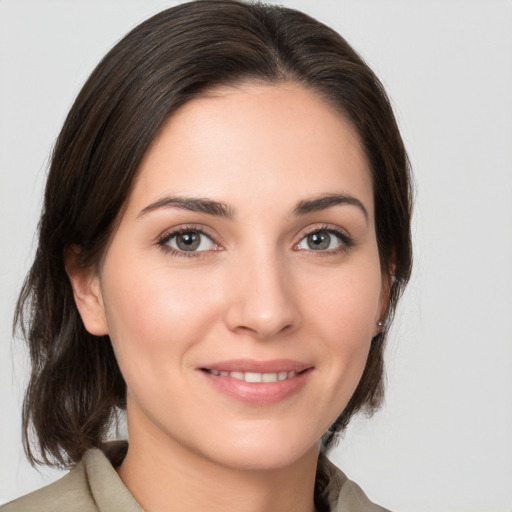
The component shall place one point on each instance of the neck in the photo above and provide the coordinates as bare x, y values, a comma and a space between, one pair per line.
165, 476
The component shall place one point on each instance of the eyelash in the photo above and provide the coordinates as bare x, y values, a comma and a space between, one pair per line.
346, 242
164, 239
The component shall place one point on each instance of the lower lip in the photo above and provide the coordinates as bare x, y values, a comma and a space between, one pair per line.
258, 393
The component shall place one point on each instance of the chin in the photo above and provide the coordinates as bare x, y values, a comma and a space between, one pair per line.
262, 452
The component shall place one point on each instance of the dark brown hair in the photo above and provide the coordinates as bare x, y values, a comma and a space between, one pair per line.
76, 387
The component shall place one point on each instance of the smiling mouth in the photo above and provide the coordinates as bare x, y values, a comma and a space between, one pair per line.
255, 377
258, 382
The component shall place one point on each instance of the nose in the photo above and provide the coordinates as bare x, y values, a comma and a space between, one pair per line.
262, 302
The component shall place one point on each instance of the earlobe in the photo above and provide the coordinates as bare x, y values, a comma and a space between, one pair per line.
85, 283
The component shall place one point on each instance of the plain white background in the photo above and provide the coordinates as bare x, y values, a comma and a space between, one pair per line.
443, 441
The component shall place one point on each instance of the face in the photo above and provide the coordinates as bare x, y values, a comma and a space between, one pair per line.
243, 286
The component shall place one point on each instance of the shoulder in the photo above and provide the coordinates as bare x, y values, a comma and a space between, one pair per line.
341, 493
69, 494
93, 485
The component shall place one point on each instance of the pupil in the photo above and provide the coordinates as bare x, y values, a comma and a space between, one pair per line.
318, 241
188, 241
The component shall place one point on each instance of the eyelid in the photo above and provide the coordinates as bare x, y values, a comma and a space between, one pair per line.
324, 227
183, 228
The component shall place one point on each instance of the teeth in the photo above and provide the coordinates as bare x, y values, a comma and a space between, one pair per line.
255, 376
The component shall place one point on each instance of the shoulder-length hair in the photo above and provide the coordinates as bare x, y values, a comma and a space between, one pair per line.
76, 386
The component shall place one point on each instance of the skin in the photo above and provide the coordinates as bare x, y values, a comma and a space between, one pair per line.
255, 290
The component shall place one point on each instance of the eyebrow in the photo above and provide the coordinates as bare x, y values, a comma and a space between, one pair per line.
327, 201
192, 204
216, 208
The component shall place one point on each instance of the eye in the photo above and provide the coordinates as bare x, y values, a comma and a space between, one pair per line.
188, 241
323, 240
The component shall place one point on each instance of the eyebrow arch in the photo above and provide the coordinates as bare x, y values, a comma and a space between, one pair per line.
327, 201
192, 204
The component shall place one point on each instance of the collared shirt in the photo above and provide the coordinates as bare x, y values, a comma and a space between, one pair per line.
93, 485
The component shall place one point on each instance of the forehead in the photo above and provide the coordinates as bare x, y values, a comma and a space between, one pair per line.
272, 142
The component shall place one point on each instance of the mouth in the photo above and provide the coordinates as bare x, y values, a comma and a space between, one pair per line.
254, 376
258, 382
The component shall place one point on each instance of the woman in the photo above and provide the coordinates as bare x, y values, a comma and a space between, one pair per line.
224, 238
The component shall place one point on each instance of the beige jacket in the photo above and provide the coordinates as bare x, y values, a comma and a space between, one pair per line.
94, 486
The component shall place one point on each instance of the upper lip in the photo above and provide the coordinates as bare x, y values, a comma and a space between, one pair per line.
252, 365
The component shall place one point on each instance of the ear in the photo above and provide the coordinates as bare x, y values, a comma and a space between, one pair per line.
86, 292
388, 278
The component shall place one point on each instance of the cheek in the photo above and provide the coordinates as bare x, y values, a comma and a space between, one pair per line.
345, 305
348, 326
154, 314
343, 313
350, 316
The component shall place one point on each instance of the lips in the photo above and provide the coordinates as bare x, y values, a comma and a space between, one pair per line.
258, 382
